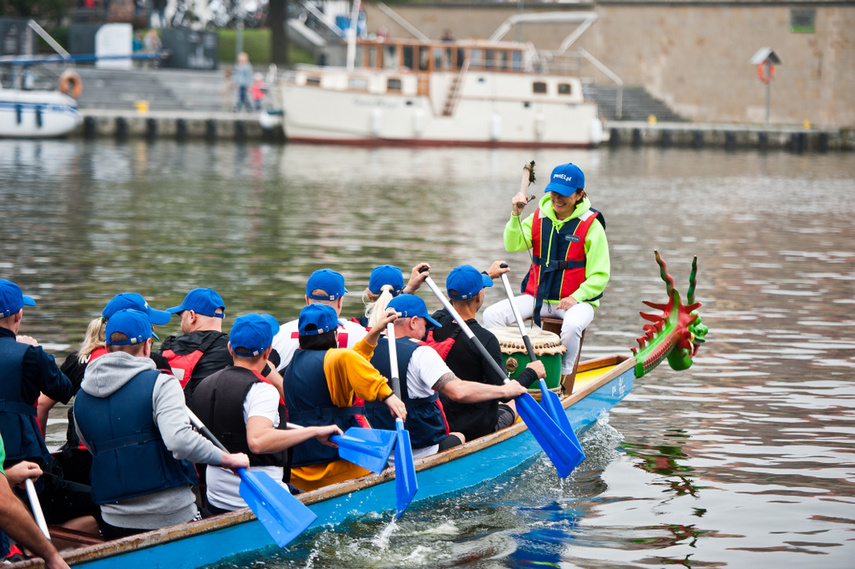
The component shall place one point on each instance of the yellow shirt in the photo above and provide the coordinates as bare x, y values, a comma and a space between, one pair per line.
348, 373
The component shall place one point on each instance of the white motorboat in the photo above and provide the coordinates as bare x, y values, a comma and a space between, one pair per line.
36, 114
469, 93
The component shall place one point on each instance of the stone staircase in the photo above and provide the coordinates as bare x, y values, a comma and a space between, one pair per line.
638, 104
162, 89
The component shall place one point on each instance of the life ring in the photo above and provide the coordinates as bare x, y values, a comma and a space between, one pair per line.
70, 83
761, 72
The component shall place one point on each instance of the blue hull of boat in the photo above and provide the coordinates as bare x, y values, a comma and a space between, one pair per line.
444, 479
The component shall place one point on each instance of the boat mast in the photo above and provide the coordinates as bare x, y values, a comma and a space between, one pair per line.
351, 34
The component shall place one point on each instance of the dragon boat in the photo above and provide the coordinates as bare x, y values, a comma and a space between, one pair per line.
675, 335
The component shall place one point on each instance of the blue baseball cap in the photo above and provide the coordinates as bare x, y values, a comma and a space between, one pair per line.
204, 301
465, 282
12, 299
409, 305
327, 280
386, 275
253, 332
316, 319
566, 179
134, 301
274, 324
132, 323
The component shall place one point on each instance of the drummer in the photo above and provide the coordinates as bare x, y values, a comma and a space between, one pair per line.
465, 286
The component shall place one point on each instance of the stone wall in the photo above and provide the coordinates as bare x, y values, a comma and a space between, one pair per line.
694, 56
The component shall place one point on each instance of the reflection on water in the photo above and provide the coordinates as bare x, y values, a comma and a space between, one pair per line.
745, 459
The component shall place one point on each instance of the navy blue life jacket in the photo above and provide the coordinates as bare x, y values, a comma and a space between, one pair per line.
309, 403
18, 424
129, 457
218, 402
425, 419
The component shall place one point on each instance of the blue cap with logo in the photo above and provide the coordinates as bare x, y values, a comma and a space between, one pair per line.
316, 319
204, 301
252, 333
134, 301
132, 323
566, 179
409, 305
465, 282
327, 280
386, 275
12, 299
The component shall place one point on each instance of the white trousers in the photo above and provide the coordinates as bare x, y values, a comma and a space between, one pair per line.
575, 320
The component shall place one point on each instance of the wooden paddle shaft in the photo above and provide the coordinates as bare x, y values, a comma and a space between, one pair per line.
518, 317
466, 330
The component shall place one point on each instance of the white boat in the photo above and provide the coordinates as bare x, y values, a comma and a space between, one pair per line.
468, 93
36, 114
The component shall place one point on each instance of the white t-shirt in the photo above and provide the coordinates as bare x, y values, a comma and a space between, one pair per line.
262, 400
287, 340
425, 369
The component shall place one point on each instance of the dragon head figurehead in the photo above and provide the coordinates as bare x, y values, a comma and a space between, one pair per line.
677, 333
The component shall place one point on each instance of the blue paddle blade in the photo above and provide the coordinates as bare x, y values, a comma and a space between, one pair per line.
368, 448
406, 484
557, 445
283, 516
550, 401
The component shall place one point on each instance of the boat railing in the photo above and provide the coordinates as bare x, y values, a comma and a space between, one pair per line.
456, 91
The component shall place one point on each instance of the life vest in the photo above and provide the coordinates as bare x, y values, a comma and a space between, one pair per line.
558, 267
183, 365
425, 418
309, 403
218, 402
129, 457
444, 346
18, 423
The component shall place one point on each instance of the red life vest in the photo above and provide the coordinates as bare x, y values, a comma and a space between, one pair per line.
183, 365
557, 250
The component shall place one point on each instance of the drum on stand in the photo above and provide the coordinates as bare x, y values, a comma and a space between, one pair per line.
547, 347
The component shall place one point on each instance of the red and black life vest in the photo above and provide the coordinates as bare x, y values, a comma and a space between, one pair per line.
183, 364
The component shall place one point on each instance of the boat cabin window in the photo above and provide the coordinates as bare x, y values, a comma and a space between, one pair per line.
393, 85
539, 87
358, 83
475, 59
564, 89
443, 58
503, 60
313, 81
516, 60
489, 59
424, 58
371, 57
461, 58
390, 57
408, 57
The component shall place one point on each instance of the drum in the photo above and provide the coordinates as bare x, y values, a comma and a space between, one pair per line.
547, 347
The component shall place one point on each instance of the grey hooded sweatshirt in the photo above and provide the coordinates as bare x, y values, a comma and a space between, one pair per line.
108, 374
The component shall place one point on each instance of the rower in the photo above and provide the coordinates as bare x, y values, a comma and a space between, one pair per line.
324, 286
423, 376
385, 283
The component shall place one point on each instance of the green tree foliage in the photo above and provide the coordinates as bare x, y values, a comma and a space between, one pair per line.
46, 12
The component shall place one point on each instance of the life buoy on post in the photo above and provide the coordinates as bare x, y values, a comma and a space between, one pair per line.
70, 83
761, 72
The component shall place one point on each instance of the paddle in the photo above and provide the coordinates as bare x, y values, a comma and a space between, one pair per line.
554, 442
406, 484
368, 448
282, 515
548, 399
36, 507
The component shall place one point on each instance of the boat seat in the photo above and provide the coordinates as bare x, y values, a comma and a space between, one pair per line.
567, 380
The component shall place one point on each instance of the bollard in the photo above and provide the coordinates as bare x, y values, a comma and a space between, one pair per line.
89, 127
121, 128
181, 130
614, 137
666, 138
763, 141
636, 137
267, 134
699, 139
798, 142
240, 130
730, 140
823, 142
151, 129
211, 130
